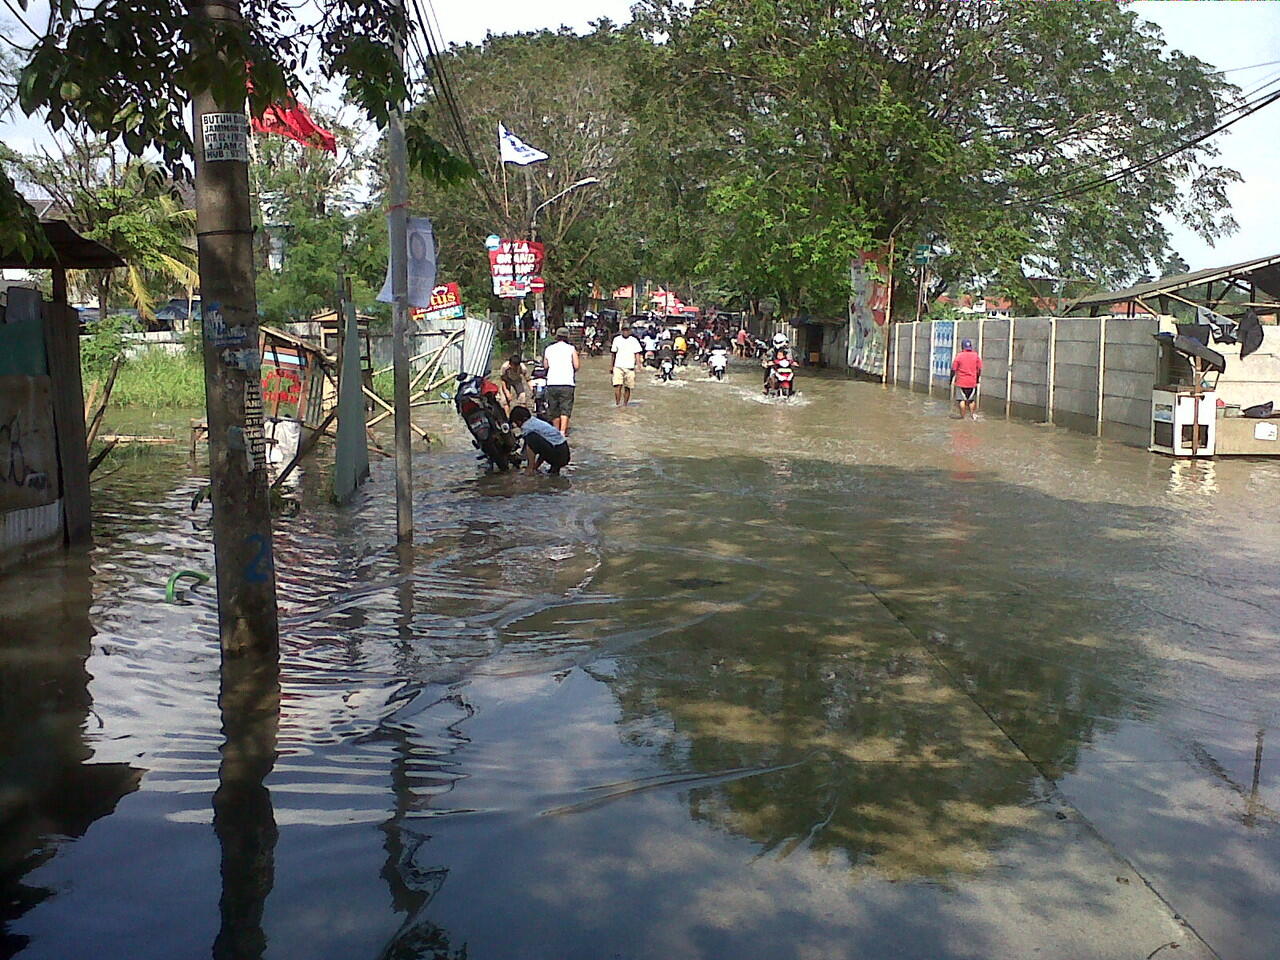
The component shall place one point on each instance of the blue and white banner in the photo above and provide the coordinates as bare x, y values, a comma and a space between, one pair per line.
944, 348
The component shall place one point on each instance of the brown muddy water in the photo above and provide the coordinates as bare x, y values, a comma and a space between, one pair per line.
834, 678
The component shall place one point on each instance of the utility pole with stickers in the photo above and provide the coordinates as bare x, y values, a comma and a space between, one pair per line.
247, 616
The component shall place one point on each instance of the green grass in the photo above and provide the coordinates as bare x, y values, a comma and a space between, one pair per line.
157, 379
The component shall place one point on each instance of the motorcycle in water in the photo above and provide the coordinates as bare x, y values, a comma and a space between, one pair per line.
666, 369
718, 363
538, 390
491, 431
782, 380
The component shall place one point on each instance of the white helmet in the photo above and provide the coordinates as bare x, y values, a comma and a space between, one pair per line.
779, 339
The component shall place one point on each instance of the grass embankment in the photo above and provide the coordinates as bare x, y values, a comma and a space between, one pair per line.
156, 379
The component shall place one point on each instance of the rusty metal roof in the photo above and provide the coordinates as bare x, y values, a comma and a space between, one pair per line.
1264, 273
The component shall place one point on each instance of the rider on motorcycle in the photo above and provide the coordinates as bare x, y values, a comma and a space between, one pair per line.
779, 349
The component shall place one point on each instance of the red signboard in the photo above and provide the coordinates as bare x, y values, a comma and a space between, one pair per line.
512, 264
537, 284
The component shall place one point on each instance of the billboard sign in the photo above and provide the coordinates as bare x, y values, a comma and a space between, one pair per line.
869, 288
446, 303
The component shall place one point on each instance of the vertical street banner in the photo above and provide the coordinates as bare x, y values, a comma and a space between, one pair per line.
513, 264
869, 310
421, 242
944, 350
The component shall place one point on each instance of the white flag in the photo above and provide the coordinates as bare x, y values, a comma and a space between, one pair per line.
514, 150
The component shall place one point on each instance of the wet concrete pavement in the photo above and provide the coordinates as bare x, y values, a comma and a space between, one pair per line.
839, 677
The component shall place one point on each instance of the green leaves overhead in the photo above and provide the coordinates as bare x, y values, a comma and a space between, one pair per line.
128, 69
982, 126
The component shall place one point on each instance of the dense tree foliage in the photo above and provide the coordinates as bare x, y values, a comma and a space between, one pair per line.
128, 69
564, 94
968, 125
744, 148
311, 203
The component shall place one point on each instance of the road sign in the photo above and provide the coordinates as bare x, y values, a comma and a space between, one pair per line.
923, 254
537, 284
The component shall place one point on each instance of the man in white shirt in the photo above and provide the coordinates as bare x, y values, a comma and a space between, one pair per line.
625, 349
562, 363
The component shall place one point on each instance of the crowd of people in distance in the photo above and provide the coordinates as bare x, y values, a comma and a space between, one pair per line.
538, 397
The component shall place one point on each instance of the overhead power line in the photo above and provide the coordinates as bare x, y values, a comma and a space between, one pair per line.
1129, 171
1247, 100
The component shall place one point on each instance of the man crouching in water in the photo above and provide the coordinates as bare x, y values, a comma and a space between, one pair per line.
543, 443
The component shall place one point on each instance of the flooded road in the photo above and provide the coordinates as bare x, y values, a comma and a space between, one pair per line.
834, 678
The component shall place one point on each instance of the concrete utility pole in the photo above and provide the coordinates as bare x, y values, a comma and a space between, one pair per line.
397, 162
232, 375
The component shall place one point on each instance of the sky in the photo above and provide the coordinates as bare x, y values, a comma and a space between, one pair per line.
1228, 35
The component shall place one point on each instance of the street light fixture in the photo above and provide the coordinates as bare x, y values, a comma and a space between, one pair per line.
533, 217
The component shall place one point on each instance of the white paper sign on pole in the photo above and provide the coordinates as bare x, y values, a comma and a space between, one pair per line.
225, 137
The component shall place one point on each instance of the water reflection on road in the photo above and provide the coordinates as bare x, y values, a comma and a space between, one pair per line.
837, 677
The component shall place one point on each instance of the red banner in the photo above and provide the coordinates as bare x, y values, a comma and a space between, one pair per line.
513, 264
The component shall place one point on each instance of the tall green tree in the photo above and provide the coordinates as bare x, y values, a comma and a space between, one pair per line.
564, 94
310, 204
973, 125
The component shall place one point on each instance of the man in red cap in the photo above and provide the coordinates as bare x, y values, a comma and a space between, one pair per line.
966, 371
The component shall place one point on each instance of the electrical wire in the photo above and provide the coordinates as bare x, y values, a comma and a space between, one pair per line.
17, 15
1129, 171
433, 64
1247, 99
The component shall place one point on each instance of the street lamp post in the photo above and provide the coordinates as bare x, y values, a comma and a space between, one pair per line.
539, 307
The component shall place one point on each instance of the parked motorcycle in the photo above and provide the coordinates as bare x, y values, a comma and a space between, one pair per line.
490, 429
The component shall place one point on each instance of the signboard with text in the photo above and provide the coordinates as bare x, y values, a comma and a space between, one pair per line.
446, 303
513, 264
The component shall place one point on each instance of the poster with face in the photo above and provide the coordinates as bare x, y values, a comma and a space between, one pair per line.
868, 310
421, 243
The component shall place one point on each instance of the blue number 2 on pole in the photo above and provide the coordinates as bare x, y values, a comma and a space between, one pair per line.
254, 571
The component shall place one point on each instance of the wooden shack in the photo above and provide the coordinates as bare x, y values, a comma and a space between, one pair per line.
44, 463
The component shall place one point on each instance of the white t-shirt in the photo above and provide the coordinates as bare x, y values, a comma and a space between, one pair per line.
650, 343
624, 351
559, 359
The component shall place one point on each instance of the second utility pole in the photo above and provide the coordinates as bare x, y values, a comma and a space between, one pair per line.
397, 161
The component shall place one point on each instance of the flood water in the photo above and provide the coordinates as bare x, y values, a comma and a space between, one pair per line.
840, 677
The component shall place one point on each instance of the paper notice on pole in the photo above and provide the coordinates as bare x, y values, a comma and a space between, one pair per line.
225, 136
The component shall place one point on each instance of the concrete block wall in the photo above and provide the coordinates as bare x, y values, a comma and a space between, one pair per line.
993, 346
1129, 360
923, 353
1254, 379
1029, 388
1077, 348
1053, 373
